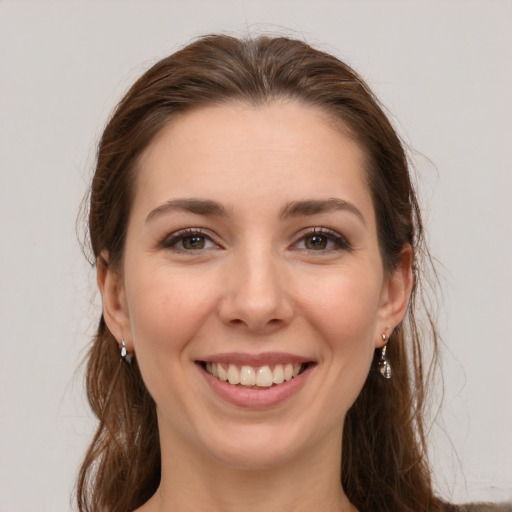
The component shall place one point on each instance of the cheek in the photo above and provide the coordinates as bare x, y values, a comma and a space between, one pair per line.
166, 310
343, 312
345, 307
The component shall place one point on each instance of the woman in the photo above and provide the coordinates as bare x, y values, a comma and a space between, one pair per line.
258, 247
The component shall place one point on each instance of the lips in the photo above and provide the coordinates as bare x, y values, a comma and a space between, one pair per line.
255, 381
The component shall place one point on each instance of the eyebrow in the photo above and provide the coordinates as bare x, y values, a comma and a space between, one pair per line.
191, 205
294, 209
315, 206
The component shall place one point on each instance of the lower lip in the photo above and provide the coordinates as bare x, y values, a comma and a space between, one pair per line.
256, 398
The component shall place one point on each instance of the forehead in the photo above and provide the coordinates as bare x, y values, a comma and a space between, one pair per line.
236, 152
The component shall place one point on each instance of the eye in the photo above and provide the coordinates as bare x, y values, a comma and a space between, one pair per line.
322, 240
317, 242
188, 240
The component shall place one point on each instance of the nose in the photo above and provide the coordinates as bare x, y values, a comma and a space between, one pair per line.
256, 296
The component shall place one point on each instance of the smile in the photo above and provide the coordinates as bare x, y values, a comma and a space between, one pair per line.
259, 381
254, 377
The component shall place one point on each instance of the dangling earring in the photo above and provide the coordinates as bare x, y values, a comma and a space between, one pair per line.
383, 365
125, 356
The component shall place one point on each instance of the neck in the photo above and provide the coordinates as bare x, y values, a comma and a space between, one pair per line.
192, 481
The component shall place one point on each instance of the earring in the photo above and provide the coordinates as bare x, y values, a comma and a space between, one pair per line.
125, 356
383, 365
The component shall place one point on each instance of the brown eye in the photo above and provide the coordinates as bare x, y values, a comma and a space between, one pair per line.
193, 242
316, 242
322, 240
188, 240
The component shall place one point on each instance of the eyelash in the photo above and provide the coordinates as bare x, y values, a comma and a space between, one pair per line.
341, 243
171, 241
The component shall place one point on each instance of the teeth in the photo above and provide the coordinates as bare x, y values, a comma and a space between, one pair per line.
248, 376
278, 377
233, 374
264, 377
223, 376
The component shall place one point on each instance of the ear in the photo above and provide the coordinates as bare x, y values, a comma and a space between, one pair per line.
395, 296
115, 311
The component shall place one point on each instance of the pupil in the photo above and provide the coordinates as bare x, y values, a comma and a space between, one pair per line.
317, 242
193, 242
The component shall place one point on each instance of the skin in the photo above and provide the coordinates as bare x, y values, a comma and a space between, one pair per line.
262, 282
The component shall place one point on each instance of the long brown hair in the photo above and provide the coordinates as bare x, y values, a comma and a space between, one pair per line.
384, 459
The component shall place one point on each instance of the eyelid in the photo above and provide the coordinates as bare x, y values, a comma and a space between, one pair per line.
334, 236
170, 240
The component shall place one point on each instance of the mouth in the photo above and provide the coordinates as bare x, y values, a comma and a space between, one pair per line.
261, 381
254, 377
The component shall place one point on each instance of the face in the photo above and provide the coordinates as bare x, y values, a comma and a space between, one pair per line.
251, 255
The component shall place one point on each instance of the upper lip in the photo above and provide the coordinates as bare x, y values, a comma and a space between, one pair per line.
255, 360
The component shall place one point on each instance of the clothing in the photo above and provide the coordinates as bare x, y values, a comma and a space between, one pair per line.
485, 507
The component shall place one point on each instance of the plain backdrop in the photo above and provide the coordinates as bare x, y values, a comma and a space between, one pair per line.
442, 68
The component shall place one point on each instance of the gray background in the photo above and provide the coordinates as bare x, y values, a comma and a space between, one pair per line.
444, 71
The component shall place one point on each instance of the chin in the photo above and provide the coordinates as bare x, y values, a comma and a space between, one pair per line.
254, 457
255, 447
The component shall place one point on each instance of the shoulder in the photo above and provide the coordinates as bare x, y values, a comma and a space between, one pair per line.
485, 507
